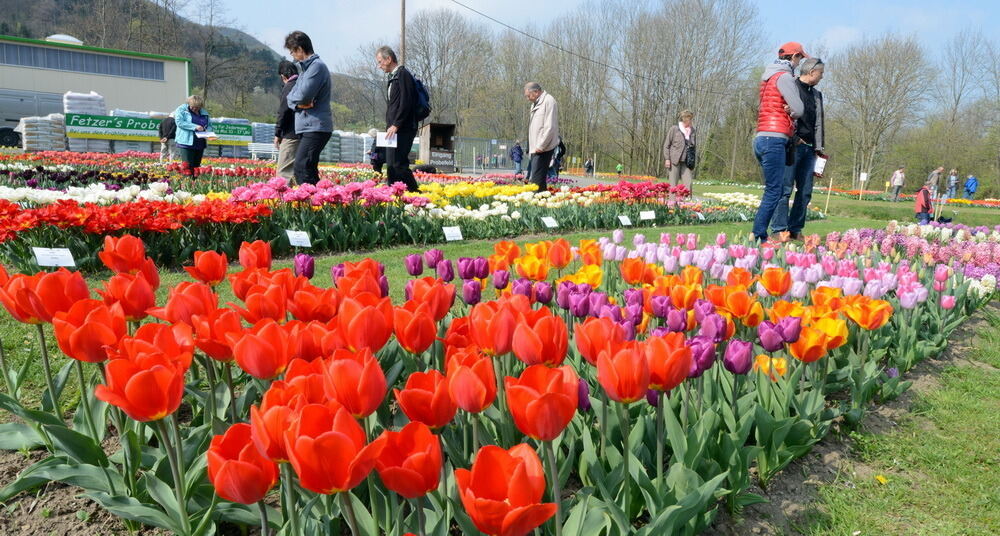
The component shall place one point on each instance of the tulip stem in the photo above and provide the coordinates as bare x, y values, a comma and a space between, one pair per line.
287, 487
210, 375
660, 400
419, 507
556, 491
48, 371
175, 469
626, 454
89, 419
264, 528
233, 410
604, 423
6, 373
348, 508
684, 406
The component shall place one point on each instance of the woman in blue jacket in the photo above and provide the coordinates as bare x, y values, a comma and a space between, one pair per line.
971, 185
191, 118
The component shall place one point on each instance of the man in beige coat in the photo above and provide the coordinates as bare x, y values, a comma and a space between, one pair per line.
675, 150
543, 133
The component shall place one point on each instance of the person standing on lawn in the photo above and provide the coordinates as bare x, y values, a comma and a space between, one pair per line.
286, 141
952, 183
808, 144
971, 185
934, 178
619, 169
680, 141
191, 118
517, 156
543, 133
922, 205
310, 98
168, 132
780, 105
400, 117
898, 180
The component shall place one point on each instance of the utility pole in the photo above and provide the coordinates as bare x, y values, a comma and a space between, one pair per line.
402, 31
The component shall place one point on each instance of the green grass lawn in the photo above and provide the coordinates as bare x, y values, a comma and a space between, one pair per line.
941, 463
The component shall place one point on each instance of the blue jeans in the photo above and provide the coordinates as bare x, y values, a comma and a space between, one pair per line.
517, 167
970, 195
770, 152
798, 177
952, 190
923, 218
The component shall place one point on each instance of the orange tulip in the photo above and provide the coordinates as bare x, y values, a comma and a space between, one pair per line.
532, 267
472, 381
810, 346
264, 350
507, 249
438, 295
624, 374
590, 252
632, 270
255, 255
502, 492
186, 300
782, 308
835, 330
740, 277
870, 314
492, 327
458, 334
327, 449
560, 254
34, 299
669, 361
365, 321
123, 255
356, 380
831, 297
595, 335
538, 249
209, 267
237, 469
777, 281
415, 328
543, 400
773, 367
543, 341
692, 275
410, 460
87, 328
212, 333
425, 398
684, 296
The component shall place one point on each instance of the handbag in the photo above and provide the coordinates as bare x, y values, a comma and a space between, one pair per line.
689, 152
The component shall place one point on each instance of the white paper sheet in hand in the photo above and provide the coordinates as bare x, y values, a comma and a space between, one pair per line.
206, 134
381, 141
820, 166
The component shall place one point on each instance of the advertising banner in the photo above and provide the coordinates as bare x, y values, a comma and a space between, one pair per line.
106, 127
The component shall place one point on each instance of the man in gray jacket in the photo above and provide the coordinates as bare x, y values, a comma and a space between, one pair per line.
543, 133
310, 98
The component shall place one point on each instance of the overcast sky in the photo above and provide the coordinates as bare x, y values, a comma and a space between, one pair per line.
339, 27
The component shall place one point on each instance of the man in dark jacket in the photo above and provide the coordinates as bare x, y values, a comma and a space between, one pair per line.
517, 156
168, 131
400, 119
285, 138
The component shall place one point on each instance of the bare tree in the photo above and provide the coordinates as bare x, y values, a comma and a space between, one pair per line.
962, 57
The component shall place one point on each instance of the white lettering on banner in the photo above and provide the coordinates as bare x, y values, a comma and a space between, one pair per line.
647, 215
54, 257
550, 222
625, 220
299, 238
452, 234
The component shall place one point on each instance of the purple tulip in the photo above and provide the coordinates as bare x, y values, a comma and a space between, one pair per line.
472, 292
583, 395
433, 256
579, 304
633, 296
790, 327
383, 283
703, 352
653, 397
799, 289
563, 292
628, 328
501, 278
617, 236
482, 267
703, 308
892, 372
677, 319
714, 327
305, 265
597, 300
771, 338
543, 292
660, 306
336, 272
659, 332
611, 311
414, 264
521, 287
466, 270
408, 289
638, 239
634, 313
908, 300
445, 270
620, 253
738, 357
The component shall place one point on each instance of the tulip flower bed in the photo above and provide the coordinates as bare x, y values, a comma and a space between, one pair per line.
599, 389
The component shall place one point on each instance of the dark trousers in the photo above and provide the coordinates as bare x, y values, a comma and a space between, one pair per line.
311, 144
397, 159
538, 169
191, 157
377, 166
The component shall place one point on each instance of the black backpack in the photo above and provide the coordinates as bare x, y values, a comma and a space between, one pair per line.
423, 110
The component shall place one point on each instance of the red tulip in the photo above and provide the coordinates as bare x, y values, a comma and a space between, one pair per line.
265, 350
410, 462
492, 327
209, 267
414, 326
264, 302
87, 328
438, 295
471, 379
595, 335
356, 380
425, 398
186, 300
327, 449
133, 292
211, 333
255, 255
34, 299
365, 321
313, 303
237, 469
669, 361
543, 400
624, 374
277, 407
308, 343
502, 492
124, 255
542, 341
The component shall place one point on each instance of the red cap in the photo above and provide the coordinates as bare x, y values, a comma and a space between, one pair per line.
792, 48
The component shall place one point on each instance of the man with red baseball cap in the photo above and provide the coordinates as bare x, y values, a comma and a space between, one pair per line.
780, 106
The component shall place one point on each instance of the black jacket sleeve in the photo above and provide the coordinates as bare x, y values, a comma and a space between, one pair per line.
284, 124
168, 128
402, 101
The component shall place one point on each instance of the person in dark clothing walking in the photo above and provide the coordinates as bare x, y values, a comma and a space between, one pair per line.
517, 156
377, 154
168, 131
310, 98
286, 141
400, 118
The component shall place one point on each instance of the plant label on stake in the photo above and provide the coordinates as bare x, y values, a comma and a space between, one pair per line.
625, 220
550, 222
54, 257
744, 216
647, 215
700, 216
299, 238
452, 234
